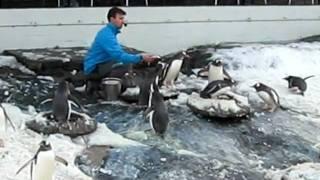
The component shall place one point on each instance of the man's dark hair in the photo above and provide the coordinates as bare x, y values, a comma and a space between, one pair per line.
114, 11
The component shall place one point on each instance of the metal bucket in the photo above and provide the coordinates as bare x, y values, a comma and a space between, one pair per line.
111, 88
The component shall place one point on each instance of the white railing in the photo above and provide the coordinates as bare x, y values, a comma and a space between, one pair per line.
214, 2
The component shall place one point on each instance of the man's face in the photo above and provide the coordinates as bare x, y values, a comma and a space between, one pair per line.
118, 20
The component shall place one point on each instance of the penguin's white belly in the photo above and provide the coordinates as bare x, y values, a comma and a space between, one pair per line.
2, 122
173, 70
266, 98
69, 110
44, 169
150, 116
215, 73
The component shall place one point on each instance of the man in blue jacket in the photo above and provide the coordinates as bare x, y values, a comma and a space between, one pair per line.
106, 52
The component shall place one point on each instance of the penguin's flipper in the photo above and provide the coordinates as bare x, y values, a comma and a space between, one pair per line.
31, 170
61, 160
24, 165
308, 77
7, 117
147, 111
46, 101
227, 74
74, 104
77, 102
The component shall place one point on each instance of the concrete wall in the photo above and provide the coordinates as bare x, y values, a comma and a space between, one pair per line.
156, 29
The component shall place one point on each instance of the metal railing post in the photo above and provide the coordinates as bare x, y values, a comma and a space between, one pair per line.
127, 2
215, 2
59, 3
147, 3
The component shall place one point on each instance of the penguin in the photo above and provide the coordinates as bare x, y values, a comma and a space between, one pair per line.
214, 71
203, 73
216, 88
4, 119
157, 112
297, 84
268, 95
145, 81
171, 70
62, 102
43, 162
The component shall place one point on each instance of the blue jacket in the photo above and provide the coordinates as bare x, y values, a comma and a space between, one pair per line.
107, 48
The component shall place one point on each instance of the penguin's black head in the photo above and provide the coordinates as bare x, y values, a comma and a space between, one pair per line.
288, 78
216, 62
44, 146
182, 55
258, 86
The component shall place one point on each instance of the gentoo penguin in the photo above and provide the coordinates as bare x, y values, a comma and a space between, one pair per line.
297, 84
145, 81
62, 102
43, 163
171, 70
217, 72
157, 112
4, 119
216, 88
268, 95
214, 71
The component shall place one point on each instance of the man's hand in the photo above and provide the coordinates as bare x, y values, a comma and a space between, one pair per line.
149, 58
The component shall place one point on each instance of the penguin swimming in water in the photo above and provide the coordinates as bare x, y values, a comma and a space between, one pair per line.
157, 112
215, 71
42, 164
297, 84
268, 95
171, 70
216, 88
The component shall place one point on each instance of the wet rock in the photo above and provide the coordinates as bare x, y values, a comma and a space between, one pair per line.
307, 171
91, 159
64, 62
235, 107
80, 124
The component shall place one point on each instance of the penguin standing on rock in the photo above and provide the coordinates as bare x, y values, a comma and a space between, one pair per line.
268, 95
62, 102
157, 112
297, 84
171, 70
43, 163
215, 71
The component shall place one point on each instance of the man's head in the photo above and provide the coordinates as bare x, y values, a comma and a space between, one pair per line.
116, 17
